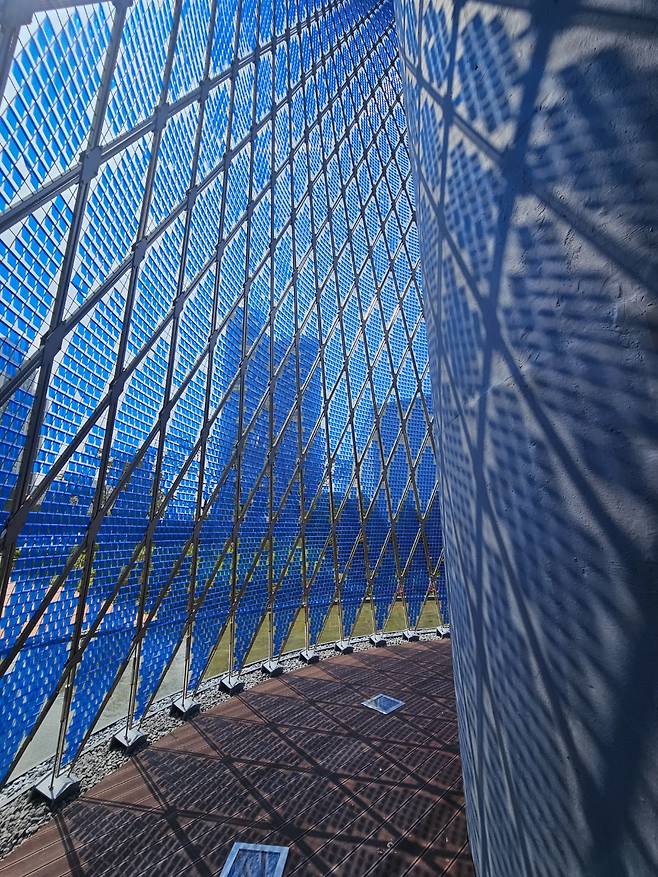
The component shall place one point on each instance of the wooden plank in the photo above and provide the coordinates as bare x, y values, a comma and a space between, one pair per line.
297, 761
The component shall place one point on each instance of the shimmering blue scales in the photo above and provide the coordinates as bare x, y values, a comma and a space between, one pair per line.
257, 361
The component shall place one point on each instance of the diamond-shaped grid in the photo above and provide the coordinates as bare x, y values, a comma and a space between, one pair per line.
232, 424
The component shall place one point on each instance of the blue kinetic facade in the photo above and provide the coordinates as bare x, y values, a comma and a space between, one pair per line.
215, 404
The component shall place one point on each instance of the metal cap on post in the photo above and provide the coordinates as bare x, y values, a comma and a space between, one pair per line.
231, 683
129, 739
377, 639
272, 667
184, 707
54, 790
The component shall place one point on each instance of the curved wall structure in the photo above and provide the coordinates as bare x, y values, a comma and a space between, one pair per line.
534, 140
215, 401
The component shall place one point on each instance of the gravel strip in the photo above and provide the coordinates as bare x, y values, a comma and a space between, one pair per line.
20, 816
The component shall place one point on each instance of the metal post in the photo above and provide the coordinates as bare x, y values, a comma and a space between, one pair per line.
55, 786
308, 654
131, 736
232, 682
186, 706
271, 667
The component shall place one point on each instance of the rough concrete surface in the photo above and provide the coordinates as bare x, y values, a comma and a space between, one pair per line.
534, 133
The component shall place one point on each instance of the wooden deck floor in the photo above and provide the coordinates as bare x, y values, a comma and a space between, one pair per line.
297, 761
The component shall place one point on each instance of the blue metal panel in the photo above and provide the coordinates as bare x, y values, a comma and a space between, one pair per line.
215, 272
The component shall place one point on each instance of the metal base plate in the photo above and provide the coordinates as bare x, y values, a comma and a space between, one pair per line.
128, 739
443, 632
377, 639
53, 791
344, 647
271, 668
185, 707
309, 656
411, 636
231, 684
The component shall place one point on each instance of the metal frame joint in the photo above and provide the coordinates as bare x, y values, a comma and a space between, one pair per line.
204, 90
192, 194
139, 251
14, 13
160, 117
91, 162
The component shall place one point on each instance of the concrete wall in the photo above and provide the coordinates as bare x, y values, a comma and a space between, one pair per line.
535, 140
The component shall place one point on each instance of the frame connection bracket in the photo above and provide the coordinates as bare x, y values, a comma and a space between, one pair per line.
53, 791
411, 636
377, 640
231, 683
90, 162
443, 632
204, 89
344, 647
128, 739
139, 251
192, 196
309, 656
272, 667
14, 13
185, 707
160, 117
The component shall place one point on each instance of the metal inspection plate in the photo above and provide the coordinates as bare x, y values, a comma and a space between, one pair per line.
255, 860
382, 703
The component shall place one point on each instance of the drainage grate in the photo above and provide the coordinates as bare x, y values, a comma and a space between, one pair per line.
382, 703
255, 860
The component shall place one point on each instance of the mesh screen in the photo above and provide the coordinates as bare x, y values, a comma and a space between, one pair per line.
214, 403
